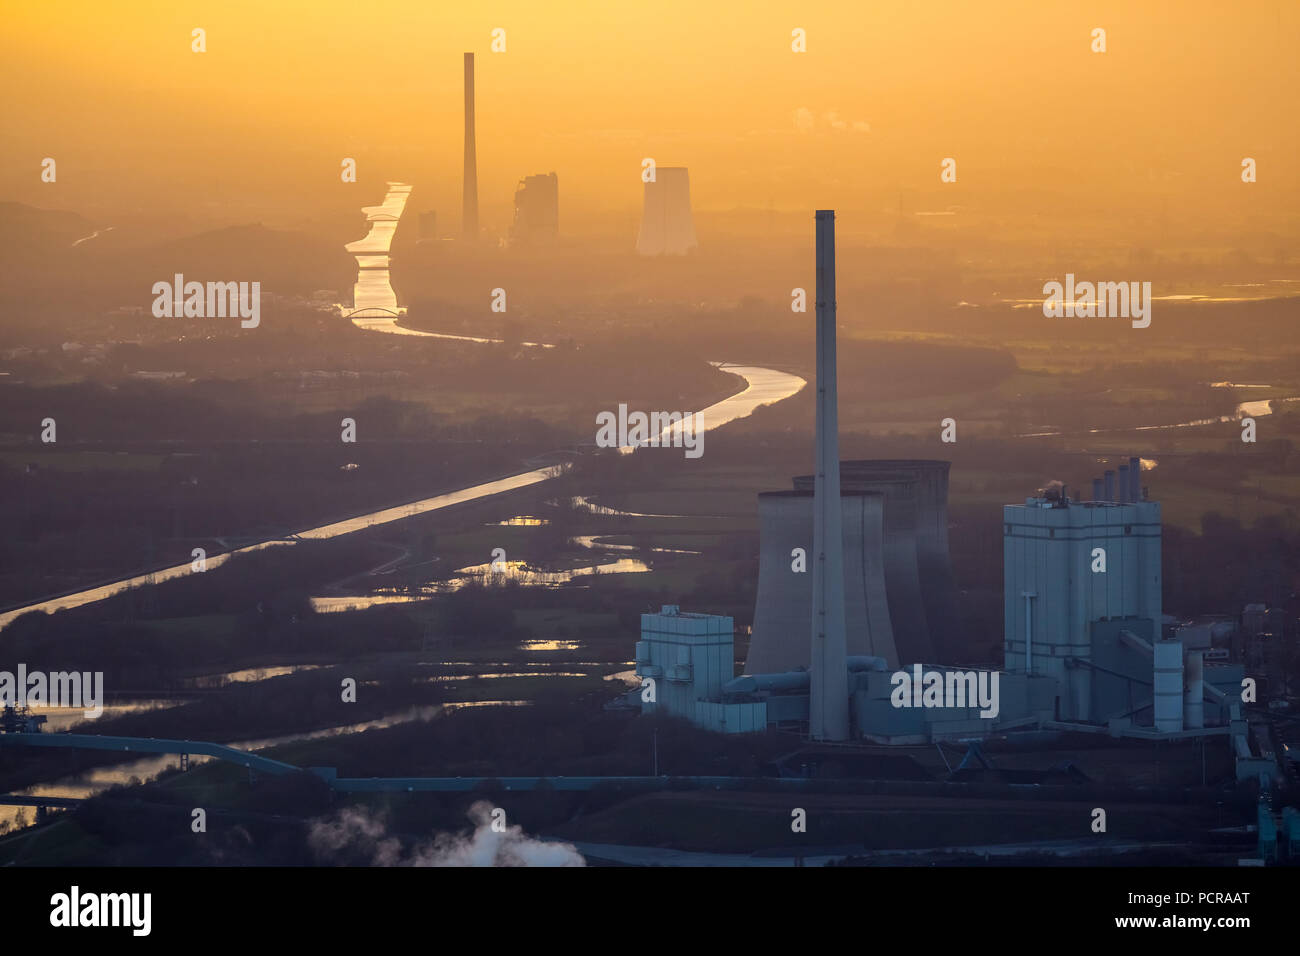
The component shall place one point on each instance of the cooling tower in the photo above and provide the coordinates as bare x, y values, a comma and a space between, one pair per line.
934, 564
667, 228
469, 197
918, 569
784, 607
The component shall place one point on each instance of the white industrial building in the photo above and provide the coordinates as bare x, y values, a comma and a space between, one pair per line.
683, 660
1067, 566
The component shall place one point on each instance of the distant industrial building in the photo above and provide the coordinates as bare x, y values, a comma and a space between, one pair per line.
537, 210
429, 225
667, 228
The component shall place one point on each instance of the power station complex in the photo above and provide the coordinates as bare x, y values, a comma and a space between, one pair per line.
667, 226
857, 608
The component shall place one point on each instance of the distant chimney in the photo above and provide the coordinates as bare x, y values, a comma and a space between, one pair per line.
1125, 486
1135, 479
469, 208
1110, 485
1096, 489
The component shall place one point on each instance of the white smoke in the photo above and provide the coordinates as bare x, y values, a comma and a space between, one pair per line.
835, 121
805, 120
356, 832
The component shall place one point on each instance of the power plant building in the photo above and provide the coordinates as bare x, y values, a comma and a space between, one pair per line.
1070, 567
683, 660
667, 228
537, 210
856, 598
1095, 660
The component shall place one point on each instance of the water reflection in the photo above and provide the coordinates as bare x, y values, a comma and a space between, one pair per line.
358, 602
582, 503
598, 541
763, 386
528, 576
555, 645
374, 301
487, 703
485, 575
58, 719
348, 526
99, 779
249, 674
495, 675
1255, 409
373, 294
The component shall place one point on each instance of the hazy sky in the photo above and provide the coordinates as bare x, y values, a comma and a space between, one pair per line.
256, 127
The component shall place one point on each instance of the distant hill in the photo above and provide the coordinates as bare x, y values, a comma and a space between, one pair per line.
282, 261
120, 266
27, 232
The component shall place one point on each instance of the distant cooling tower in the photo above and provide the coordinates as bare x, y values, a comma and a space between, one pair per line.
667, 228
780, 638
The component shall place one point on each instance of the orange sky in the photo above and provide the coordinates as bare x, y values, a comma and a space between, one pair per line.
255, 128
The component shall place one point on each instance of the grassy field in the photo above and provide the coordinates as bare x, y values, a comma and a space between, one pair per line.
82, 460
742, 822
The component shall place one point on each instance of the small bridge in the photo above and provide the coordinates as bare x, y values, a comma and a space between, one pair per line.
372, 312
152, 745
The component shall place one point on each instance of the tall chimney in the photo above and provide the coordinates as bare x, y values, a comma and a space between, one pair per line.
1096, 489
828, 703
1124, 484
469, 207
1110, 485
1135, 479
